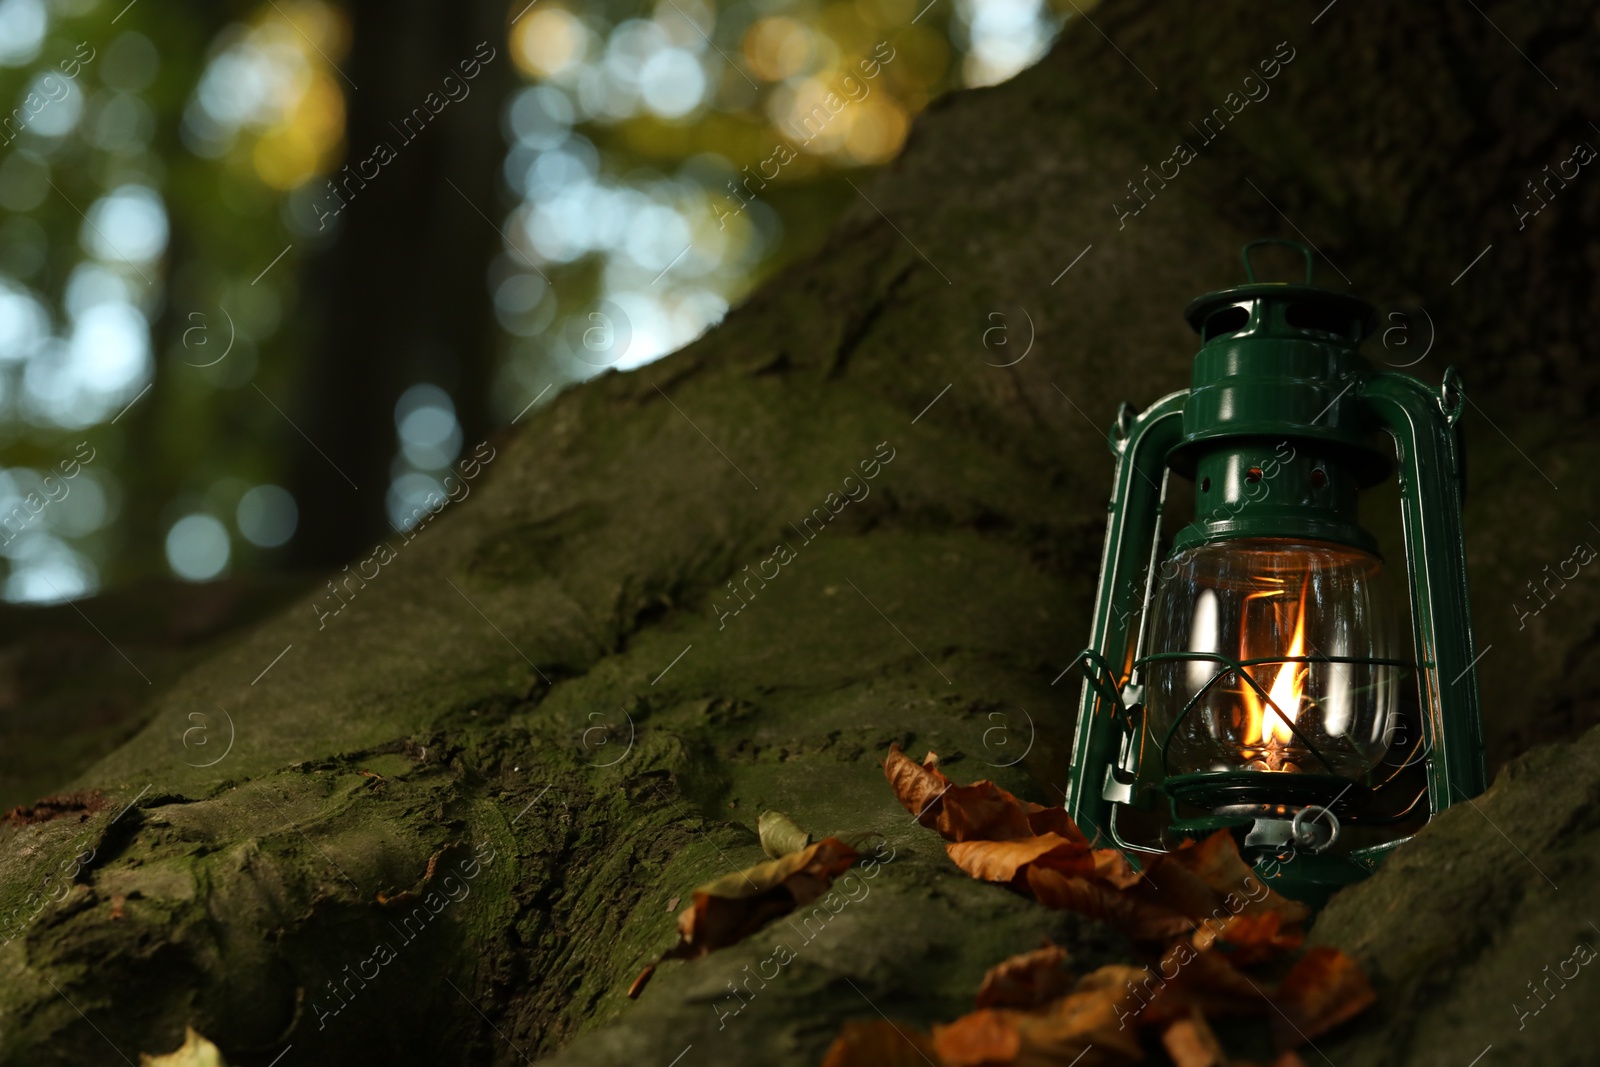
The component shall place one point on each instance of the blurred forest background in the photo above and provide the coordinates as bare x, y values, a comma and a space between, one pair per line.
268, 270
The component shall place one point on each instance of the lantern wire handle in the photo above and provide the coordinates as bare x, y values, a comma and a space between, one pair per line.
1250, 271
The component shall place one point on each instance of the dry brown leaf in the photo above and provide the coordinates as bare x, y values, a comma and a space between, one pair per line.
879, 1043
981, 811
1082, 1025
1172, 888
918, 786
1211, 884
987, 1036
996, 837
1026, 981
1217, 863
1187, 980
1125, 909
1053, 820
1252, 939
1087, 1023
1323, 989
1113, 867
1190, 1043
999, 861
731, 908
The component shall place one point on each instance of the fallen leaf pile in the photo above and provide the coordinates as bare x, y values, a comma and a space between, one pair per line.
1200, 911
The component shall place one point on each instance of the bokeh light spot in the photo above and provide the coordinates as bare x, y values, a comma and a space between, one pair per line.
672, 82
267, 516
128, 225
778, 48
22, 26
548, 41
878, 131
59, 104
198, 547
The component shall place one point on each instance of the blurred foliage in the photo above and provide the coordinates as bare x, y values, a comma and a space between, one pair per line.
170, 171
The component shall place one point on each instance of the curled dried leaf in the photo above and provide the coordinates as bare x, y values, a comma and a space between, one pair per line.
879, 1043
999, 861
981, 811
918, 787
1323, 989
1217, 863
1125, 909
987, 1036
1026, 981
731, 908
1210, 883
1087, 1023
1252, 939
1190, 1043
780, 835
1188, 980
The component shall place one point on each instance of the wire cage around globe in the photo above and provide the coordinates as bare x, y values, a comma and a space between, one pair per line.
1272, 674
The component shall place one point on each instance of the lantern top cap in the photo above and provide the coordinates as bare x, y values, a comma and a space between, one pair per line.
1311, 306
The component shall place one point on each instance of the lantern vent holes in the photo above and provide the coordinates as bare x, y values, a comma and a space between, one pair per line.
1319, 478
1228, 320
1254, 475
1205, 485
1320, 317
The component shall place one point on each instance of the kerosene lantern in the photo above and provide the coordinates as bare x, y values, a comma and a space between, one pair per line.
1250, 674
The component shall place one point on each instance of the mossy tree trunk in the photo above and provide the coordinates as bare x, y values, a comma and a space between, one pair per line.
442, 733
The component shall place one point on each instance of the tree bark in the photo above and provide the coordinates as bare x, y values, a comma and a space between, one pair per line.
448, 717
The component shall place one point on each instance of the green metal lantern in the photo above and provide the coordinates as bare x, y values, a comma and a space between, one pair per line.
1247, 672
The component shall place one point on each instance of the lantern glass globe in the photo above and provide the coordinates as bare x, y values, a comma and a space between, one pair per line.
1264, 651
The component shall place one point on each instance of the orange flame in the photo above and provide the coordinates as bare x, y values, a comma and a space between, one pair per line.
1262, 724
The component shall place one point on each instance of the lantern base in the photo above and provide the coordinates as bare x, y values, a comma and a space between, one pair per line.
1309, 878
1286, 823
